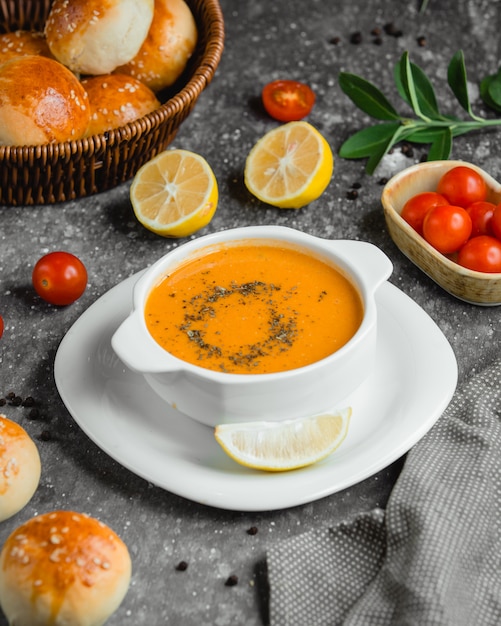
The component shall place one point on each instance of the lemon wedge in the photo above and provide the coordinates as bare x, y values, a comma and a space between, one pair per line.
290, 166
286, 445
174, 194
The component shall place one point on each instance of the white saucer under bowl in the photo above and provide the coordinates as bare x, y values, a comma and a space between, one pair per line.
413, 381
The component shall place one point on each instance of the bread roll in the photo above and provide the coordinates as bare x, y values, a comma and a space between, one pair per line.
168, 46
21, 43
95, 36
41, 101
63, 568
115, 100
20, 468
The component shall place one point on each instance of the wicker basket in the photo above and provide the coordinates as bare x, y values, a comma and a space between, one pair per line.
58, 172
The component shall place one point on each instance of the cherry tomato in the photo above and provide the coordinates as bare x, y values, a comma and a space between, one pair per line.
481, 215
496, 222
418, 206
462, 186
447, 227
59, 278
287, 100
1, 326
482, 253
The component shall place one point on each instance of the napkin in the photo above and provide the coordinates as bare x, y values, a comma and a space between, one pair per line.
432, 557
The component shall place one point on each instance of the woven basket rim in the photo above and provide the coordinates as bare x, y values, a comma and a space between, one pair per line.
189, 92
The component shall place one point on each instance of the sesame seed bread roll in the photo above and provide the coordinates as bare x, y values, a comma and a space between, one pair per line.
115, 100
168, 46
63, 569
20, 468
41, 101
22, 43
96, 36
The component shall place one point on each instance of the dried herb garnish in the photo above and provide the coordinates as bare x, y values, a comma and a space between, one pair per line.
429, 126
282, 330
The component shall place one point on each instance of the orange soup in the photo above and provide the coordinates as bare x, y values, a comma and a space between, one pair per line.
253, 309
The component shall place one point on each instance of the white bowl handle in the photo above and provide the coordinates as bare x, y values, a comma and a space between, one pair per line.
138, 350
373, 264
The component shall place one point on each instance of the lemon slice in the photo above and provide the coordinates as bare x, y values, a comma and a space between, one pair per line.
286, 445
175, 194
290, 166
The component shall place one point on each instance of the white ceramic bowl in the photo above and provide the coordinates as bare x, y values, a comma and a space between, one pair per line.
213, 397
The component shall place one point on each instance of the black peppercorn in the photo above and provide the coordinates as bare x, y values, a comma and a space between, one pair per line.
231, 581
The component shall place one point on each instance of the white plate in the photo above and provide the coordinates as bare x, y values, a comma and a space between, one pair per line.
414, 380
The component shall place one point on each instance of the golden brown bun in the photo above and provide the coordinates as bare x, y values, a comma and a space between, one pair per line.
21, 43
41, 101
115, 100
95, 36
63, 568
19, 468
170, 43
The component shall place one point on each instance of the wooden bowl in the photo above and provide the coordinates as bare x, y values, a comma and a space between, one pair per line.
468, 285
58, 172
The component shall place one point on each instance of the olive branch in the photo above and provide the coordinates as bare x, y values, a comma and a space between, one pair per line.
429, 126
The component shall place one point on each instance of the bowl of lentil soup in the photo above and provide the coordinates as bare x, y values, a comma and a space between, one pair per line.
255, 323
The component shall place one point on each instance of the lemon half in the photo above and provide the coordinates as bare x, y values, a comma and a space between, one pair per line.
174, 194
290, 166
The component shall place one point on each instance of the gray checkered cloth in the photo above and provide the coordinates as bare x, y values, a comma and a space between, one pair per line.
433, 557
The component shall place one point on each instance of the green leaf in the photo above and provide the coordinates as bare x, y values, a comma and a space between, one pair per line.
404, 78
368, 140
494, 88
458, 82
424, 135
422, 9
430, 134
441, 147
423, 88
367, 97
485, 94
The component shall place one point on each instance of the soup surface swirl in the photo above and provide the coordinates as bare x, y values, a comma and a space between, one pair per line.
253, 308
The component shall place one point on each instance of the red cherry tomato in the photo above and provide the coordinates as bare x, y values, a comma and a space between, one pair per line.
447, 227
462, 186
496, 222
59, 278
418, 206
481, 215
482, 253
1, 326
287, 100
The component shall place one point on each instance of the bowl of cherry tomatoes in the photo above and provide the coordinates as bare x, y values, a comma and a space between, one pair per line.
445, 216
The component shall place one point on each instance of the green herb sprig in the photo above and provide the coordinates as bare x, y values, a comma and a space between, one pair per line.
428, 127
